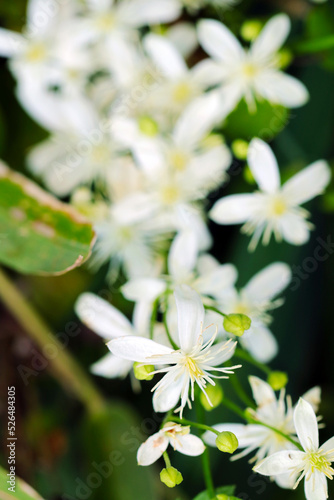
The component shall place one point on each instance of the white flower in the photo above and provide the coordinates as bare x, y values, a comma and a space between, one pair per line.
274, 208
252, 73
313, 464
272, 411
256, 300
109, 323
193, 363
177, 436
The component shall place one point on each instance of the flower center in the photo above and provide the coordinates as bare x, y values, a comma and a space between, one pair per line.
178, 160
106, 22
249, 70
100, 154
182, 92
194, 371
278, 207
170, 194
317, 460
36, 53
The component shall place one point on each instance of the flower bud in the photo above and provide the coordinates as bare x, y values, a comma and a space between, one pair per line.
277, 380
237, 324
148, 126
142, 372
227, 442
171, 477
215, 394
250, 29
240, 149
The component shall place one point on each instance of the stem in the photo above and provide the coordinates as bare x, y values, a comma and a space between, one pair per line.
206, 458
241, 354
65, 368
238, 411
166, 459
154, 316
193, 424
240, 391
175, 346
214, 309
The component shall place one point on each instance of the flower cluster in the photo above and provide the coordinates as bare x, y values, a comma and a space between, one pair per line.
135, 101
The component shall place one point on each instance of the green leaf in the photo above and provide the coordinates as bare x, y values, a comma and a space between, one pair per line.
223, 490
22, 490
266, 121
38, 233
317, 45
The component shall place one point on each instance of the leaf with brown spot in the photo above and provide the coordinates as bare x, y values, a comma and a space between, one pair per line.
38, 233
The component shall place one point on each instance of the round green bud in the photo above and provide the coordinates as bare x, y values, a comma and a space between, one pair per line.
227, 442
240, 149
237, 324
215, 394
142, 372
248, 176
277, 380
250, 29
284, 58
171, 477
148, 126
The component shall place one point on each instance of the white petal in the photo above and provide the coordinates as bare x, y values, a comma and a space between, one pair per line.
263, 165
216, 160
215, 282
313, 396
286, 481
218, 41
328, 445
166, 397
146, 289
221, 352
280, 88
11, 43
146, 12
263, 393
189, 445
111, 367
101, 317
208, 73
41, 17
190, 316
183, 36
153, 448
280, 463
182, 255
306, 425
196, 121
141, 318
261, 343
316, 486
308, 183
272, 37
295, 229
166, 56
269, 282
138, 349
134, 208
233, 209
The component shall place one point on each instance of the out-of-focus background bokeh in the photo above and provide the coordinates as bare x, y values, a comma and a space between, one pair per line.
59, 447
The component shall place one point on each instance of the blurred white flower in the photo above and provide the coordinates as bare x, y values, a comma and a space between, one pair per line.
314, 464
250, 73
193, 363
274, 209
277, 413
177, 436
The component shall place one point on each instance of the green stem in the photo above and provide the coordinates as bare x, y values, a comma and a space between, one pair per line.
214, 309
65, 368
243, 396
166, 459
183, 421
175, 346
210, 488
238, 411
154, 317
245, 356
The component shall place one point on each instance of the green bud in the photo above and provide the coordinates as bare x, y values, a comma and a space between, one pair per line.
284, 58
240, 149
227, 442
215, 394
237, 324
142, 372
248, 176
250, 29
171, 477
148, 126
277, 380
